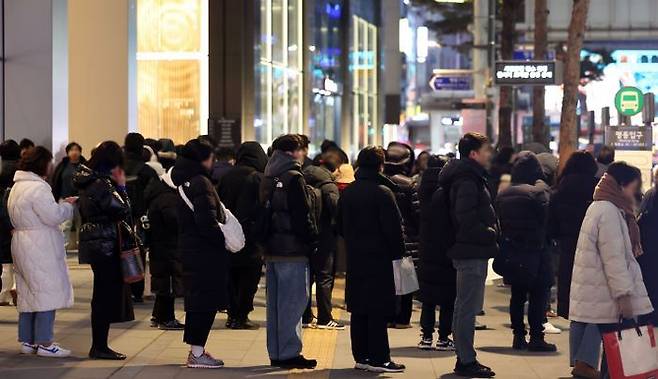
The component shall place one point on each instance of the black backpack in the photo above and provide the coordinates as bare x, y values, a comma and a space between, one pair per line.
441, 214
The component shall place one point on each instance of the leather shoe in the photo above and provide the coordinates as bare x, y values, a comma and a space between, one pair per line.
107, 354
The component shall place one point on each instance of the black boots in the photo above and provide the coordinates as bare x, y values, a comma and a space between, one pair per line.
519, 342
541, 346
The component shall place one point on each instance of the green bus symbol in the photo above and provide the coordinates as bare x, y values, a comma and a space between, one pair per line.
629, 101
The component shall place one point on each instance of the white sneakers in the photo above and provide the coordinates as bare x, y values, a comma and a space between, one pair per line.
52, 351
551, 329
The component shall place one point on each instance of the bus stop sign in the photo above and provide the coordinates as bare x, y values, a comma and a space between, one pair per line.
629, 101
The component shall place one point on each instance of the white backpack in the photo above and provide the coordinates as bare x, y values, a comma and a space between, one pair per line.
234, 240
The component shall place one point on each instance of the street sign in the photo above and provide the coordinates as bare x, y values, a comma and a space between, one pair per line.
528, 73
451, 83
226, 132
629, 138
629, 101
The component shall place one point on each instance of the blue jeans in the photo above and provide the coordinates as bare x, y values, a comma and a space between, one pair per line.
36, 327
287, 297
471, 277
584, 343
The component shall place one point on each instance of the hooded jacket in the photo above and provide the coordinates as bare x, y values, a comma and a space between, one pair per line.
200, 239
239, 191
167, 154
292, 229
161, 197
471, 209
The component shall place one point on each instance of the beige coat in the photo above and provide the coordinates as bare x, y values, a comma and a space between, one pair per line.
605, 268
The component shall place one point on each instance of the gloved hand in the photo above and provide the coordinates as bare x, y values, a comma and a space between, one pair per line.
625, 307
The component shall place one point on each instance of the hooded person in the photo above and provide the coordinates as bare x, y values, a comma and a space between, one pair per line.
167, 153
238, 189
165, 264
202, 249
152, 160
525, 259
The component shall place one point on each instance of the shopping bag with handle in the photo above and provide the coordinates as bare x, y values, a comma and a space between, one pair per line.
631, 353
404, 273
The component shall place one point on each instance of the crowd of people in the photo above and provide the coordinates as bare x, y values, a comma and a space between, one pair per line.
588, 226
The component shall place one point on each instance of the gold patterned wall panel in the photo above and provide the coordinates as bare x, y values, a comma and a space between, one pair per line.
168, 25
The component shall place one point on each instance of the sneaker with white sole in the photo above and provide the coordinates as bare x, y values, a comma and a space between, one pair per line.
363, 366
331, 325
445, 345
53, 351
205, 360
425, 343
551, 329
386, 367
28, 349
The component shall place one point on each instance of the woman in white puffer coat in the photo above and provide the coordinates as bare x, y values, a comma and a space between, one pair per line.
607, 284
37, 247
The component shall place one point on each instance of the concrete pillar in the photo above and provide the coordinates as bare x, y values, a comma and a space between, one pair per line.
480, 40
99, 94
392, 59
35, 75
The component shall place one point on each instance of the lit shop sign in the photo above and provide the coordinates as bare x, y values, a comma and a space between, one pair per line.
528, 73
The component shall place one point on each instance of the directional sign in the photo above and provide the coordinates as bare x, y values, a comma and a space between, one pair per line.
629, 101
451, 83
531, 73
629, 138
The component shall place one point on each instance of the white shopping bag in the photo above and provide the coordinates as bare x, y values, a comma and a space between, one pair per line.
631, 353
404, 273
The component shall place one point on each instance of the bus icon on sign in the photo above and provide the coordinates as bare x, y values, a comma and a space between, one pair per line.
629, 101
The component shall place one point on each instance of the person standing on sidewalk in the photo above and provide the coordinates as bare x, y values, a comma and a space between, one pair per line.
201, 246
238, 190
10, 154
523, 212
370, 222
323, 265
436, 274
476, 232
37, 245
290, 241
104, 207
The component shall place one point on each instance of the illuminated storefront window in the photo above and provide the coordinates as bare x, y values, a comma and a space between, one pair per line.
364, 83
279, 73
172, 68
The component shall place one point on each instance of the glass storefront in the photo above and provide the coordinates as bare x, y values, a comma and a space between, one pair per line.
172, 68
363, 65
279, 69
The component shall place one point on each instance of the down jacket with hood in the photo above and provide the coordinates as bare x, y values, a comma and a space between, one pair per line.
42, 277
471, 209
161, 197
238, 190
605, 268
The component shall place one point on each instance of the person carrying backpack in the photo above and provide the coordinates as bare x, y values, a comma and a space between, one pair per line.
436, 275
138, 176
290, 241
323, 267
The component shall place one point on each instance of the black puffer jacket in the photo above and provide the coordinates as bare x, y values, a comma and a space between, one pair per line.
648, 261
200, 239
293, 232
569, 202
238, 190
57, 176
103, 205
138, 176
370, 222
436, 275
471, 209
7, 171
523, 212
319, 177
161, 199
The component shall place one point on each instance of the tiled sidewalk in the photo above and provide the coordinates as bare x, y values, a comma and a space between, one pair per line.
160, 355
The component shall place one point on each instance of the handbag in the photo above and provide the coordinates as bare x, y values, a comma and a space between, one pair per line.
132, 265
404, 274
631, 353
234, 239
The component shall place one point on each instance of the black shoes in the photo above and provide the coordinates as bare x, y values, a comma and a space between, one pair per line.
171, 325
541, 346
298, 362
520, 343
386, 367
106, 353
473, 370
244, 325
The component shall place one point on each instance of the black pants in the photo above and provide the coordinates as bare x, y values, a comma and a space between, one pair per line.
243, 284
369, 338
197, 327
100, 330
163, 308
536, 297
428, 317
323, 271
403, 309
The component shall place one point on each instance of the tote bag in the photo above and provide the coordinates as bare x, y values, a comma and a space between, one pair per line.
132, 265
234, 239
404, 273
631, 353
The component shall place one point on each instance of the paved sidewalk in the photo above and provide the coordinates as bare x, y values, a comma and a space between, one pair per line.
156, 354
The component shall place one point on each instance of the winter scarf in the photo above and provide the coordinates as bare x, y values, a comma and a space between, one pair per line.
609, 190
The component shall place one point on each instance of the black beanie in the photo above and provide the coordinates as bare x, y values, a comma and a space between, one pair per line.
134, 143
196, 150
